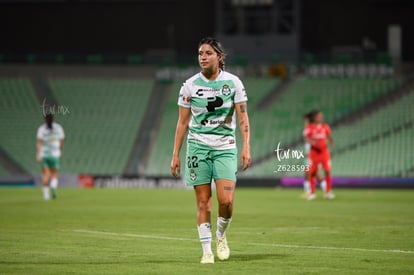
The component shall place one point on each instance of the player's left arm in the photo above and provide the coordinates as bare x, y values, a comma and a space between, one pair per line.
330, 140
38, 149
61, 144
243, 118
329, 136
61, 138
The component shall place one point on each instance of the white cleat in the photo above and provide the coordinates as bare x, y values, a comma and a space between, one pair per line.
207, 258
311, 197
223, 250
329, 196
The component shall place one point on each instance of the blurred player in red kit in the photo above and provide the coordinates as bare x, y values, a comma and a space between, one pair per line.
306, 184
318, 134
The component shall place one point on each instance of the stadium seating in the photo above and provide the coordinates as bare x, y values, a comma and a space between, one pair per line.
3, 171
257, 89
104, 119
101, 126
387, 156
378, 144
382, 136
282, 122
20, 116
160, 157
385, 119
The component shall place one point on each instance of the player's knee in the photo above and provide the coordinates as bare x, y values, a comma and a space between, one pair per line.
203, 205
45, 177
226, 203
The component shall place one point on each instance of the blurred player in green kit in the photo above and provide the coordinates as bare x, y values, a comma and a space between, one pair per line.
50, 138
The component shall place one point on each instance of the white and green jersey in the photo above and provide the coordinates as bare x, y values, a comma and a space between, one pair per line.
51, 140
213, 119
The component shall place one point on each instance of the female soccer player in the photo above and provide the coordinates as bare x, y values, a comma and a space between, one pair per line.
208, 104
306, 184
50, 137
317, 133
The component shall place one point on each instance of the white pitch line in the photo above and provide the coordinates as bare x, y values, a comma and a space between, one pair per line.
335, 248
157, 237
132, 235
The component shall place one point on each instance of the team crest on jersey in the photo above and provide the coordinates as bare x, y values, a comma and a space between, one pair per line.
226, 90
193, 175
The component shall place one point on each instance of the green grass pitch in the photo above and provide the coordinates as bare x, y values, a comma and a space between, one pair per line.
152, 231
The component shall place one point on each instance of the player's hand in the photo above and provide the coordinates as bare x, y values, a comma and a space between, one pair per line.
175, 166
38, 158
245, 158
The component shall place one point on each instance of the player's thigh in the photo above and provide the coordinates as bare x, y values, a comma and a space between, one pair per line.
203, 195
313, 163
198, 166
224, 173
53, 173
225, 165
45, 171
326, 164
50, 163
54, 164
225, 191
44, 163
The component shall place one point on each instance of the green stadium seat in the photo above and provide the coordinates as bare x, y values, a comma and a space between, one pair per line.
335, 98
104, 119
20, 116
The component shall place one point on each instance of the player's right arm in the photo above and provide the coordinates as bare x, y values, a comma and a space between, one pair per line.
61, 139
181, 130
307, 136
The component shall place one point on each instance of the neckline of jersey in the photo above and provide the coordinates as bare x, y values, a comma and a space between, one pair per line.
208, 80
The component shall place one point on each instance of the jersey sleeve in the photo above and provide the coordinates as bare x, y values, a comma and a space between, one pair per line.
39, 133
61, 133
241, 94
184, 99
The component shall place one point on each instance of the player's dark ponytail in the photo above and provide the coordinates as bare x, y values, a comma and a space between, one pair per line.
218, 48
49, 121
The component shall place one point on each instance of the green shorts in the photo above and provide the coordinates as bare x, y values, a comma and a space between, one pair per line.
202, 164
50, 162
